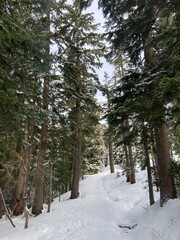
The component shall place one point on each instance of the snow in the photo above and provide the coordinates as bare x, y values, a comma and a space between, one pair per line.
108, 209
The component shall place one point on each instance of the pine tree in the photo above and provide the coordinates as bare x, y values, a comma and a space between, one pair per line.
135, 27
39, 176
20, 53
83, 47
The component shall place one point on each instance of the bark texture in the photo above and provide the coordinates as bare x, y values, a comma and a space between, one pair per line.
148, 165
132, 167
127, 164
39, 175
21, 187
77, 155
166, 182
111, 157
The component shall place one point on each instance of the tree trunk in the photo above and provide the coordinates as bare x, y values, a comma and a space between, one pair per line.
127, 164
50, 190
111, 162
26, 216
155, 164
132, 168
77, 156
166, 183
39, 175
1, 202
1, 208
21, 187
111, 157
150, 184
59, 193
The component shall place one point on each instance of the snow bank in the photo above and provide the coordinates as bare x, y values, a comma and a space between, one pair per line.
108, 209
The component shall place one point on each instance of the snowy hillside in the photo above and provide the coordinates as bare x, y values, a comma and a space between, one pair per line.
108, 209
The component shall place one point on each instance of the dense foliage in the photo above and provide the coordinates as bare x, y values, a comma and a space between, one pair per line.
50, 131
49, 51
145, 34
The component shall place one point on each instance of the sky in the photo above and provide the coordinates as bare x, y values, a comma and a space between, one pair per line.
108, 208
99, 19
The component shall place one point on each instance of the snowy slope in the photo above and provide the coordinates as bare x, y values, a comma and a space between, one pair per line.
108, 209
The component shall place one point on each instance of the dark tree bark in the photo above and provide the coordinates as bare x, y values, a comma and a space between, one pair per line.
111, 157
39, 175
132, 167
50, 189
150, 184
1, 200
130, 158
21, 187
1, 208
155, 164
110, 143
166, 182
77, 156
127, 164
111, 162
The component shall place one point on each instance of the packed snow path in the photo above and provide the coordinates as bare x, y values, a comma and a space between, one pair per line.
108, 209
95, 215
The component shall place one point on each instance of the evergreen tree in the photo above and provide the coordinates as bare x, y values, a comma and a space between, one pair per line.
20, 61
82, 49
134, 26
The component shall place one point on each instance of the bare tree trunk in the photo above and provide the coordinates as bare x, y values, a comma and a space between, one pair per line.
150, 184
130, 157
59, 193
166, 182
111, 157
106, 90
77, 156
26, 216
132, 168
78, 129
111, 162
155, 164
1, 208
1, 199
39, 175
21, 187
50, 190
127, 164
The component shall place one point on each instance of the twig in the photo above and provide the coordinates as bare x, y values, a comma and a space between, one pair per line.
127, 226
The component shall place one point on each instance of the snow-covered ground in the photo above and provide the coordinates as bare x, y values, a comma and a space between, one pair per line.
108, 209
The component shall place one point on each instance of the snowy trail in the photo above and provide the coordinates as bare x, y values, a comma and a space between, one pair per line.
105, 203
106, 210
91, 213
